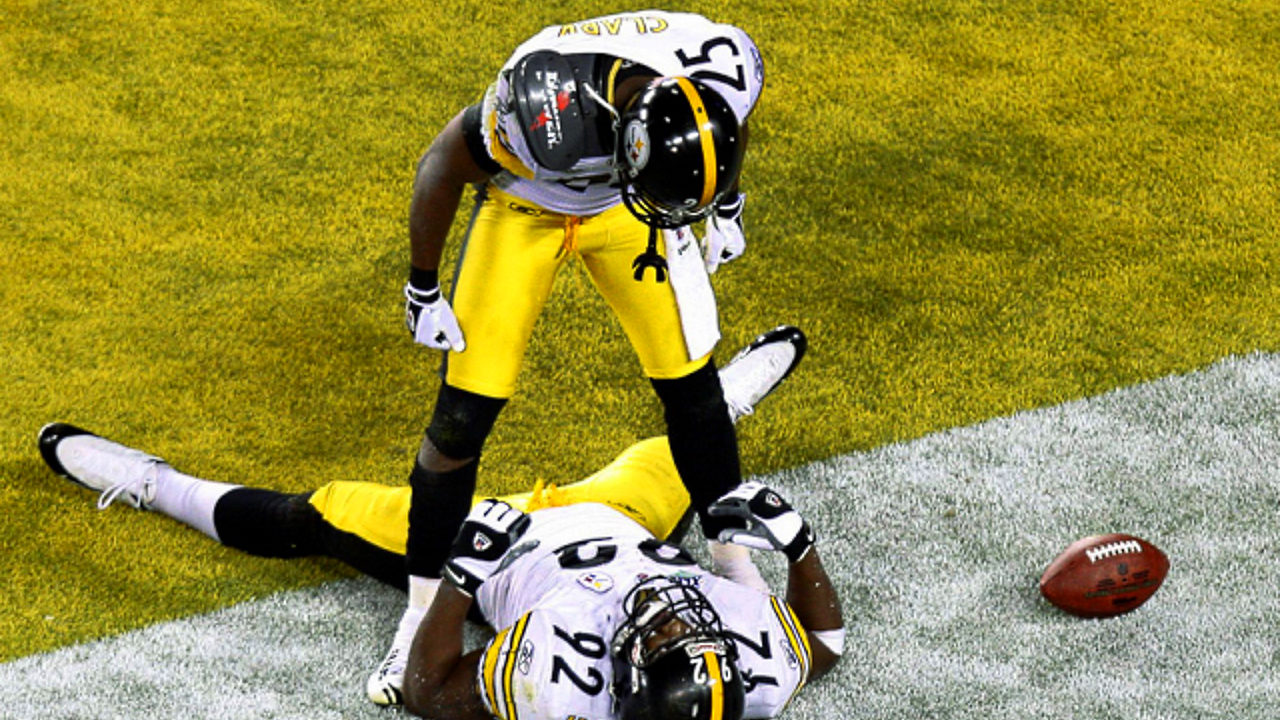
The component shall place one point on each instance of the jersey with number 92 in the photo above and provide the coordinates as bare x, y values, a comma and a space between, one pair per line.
558, 600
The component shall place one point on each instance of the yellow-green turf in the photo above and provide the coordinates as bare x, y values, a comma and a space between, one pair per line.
971, 207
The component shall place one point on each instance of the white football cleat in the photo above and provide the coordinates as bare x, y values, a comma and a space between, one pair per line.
115, 471
386, 685
760, 367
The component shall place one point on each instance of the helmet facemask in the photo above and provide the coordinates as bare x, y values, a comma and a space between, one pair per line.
672, 656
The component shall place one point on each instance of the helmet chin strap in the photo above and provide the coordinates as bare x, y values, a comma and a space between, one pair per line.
594, 95
650, 258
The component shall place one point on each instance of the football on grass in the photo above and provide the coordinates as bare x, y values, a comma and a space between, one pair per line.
1104, 575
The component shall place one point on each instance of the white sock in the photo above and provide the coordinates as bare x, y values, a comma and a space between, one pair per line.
734, 562
188, 499
422, 592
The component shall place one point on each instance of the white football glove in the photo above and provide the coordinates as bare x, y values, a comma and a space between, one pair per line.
771, 523
724, 240
486, 535
430, 319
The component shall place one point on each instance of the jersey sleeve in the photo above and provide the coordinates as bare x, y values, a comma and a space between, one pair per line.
496, 681
793, 643
499, 131
473, 133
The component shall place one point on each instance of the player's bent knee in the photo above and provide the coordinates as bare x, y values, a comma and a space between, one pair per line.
460, 424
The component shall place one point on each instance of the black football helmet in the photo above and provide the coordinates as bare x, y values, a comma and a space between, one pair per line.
679, 150
672, 657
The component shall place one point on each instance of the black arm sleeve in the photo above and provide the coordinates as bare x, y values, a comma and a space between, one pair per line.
473, 131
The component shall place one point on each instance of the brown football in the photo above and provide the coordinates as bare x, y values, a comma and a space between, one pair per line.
1104, 575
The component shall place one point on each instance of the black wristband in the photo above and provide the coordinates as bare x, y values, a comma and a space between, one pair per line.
423, 280
465, 582
799, 547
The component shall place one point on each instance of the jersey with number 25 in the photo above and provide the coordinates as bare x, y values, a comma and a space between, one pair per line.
723, 56
559, 599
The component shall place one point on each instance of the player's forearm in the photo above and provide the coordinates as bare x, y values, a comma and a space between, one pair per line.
436, 654
813, 598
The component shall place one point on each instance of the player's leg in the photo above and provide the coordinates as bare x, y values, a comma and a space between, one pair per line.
260, 522
642, 482
123, 474
673, 332
504, 274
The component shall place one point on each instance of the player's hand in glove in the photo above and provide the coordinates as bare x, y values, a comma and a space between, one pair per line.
486, 535
427, 314
771, 523
724, 240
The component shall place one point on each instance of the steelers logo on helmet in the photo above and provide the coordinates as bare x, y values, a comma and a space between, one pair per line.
636, 141
693, 155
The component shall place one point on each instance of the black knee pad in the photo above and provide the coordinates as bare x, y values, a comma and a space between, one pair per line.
462, 421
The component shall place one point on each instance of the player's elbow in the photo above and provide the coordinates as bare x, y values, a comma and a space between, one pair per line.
826, 647
421, 699
823, 661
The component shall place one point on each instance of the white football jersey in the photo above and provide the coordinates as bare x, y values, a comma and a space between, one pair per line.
721, 55
558, 601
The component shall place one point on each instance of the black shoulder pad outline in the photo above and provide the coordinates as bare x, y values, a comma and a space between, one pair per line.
473, 133
549, 110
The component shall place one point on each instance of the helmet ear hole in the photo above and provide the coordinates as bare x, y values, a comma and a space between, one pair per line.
680, 149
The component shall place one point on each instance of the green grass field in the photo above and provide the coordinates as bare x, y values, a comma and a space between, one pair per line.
973, 209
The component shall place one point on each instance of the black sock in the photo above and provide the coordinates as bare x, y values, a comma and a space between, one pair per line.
266, 523
703, 442
271, 524
441, 501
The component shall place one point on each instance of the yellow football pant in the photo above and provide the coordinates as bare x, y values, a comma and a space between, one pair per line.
505, 273
642, 483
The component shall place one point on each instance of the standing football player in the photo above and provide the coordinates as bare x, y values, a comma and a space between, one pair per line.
602, 139
618, 613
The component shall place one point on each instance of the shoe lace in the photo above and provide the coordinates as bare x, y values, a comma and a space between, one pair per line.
136, 487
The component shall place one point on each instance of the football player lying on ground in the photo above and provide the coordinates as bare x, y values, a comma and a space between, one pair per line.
595, 617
